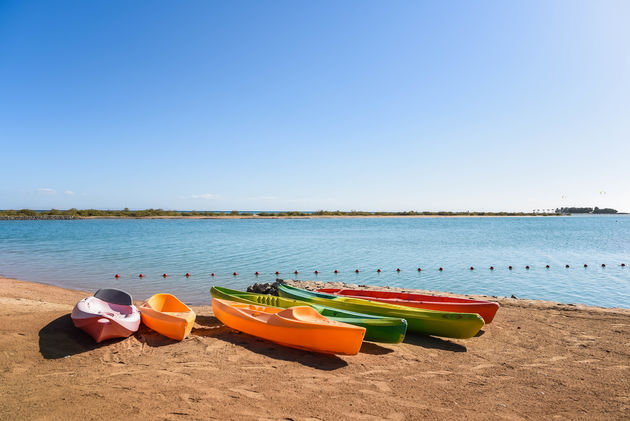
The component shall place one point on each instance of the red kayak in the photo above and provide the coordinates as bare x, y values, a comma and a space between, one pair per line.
486, 309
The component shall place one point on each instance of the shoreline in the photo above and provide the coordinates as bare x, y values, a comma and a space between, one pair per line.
74, 218
536, 360
318, 217
266, 287
503, 301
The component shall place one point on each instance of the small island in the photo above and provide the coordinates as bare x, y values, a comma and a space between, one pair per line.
593, 211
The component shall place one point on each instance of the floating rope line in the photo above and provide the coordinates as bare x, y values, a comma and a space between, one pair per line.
379, 270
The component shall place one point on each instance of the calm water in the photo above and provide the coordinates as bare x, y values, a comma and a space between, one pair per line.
87, 253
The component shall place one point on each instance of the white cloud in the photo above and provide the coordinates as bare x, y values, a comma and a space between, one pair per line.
205, 196
263, 198
46, 190
69, 193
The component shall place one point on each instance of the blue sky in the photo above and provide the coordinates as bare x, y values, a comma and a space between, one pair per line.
278, 105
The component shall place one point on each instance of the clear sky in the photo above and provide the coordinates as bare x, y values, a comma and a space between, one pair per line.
275, 105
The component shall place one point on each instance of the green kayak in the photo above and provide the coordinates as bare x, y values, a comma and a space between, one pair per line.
377, 328
428, 322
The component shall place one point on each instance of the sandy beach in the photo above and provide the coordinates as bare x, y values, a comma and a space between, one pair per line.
537, 360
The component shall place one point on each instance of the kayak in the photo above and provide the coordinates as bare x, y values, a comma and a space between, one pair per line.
377, 329
168, 316
108, 314
428, 322
486, 309
299, 327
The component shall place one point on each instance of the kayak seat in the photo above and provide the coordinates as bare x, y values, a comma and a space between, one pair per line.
303, 313
114, 296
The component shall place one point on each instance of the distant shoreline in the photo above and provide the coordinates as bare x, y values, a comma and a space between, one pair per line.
73, 214
313, 217
70, 218
76, 214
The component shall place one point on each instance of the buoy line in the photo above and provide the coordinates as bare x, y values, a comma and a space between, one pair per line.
379, 270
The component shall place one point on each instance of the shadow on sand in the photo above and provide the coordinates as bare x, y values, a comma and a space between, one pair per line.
59, 339
152, 338
433, 343
480, 333
374, 349
210, 326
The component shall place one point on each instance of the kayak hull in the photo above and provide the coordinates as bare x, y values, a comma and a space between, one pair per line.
102, 329
428, 322
486, 309
297, 327
377, 328
168, 316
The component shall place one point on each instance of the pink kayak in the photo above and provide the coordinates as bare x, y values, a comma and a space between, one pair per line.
486, 309
108, 314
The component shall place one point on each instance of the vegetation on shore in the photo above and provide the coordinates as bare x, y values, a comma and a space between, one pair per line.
594, 210
156, 213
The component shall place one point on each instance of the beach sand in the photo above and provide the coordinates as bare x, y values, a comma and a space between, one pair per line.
537, 360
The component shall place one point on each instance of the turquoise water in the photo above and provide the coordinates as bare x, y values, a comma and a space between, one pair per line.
87, 253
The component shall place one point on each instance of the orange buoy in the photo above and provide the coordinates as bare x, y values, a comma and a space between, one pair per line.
164, 275
397, 269
336, 271
623, 265
566, 266
212, 274
472, 268
441, 269
378, 270
603, 265
277, 273
510, 267
356, 270
235, 274
316, 272
187, 275
257, 273
117, 276
419, 269
491, 267
296, 272
527, 267
141, 276
585, 265
547, 266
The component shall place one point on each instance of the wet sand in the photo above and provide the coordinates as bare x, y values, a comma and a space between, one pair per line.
537, 360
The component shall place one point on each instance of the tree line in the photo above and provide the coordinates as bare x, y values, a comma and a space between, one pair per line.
74, 213
594, 210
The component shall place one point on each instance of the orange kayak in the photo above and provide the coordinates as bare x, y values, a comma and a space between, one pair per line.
297, 327
486, 309
165, 314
